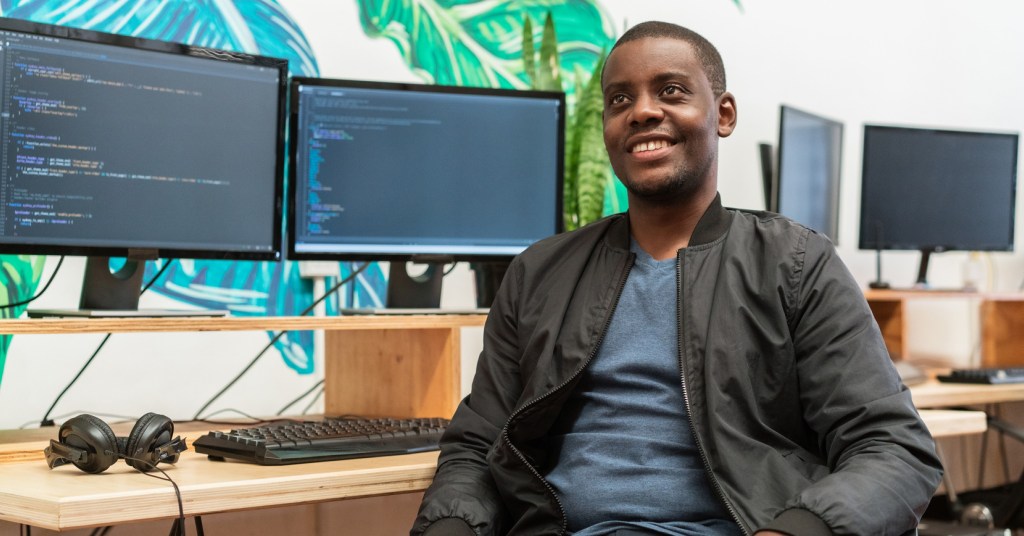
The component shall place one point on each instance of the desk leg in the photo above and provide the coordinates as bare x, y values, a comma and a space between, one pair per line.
392, 372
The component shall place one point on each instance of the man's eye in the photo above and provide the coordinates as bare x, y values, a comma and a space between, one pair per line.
672, 90
617, 99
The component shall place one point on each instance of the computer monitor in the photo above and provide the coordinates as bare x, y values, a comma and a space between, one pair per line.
434, 174
809, 170
937, 190
118, 146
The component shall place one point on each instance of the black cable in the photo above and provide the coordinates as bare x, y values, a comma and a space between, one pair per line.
101, 531
311, 402
448, 271
238, 411
300, 397
180, 522
277, 337
46, 418
46, 286
106, 416
199, 525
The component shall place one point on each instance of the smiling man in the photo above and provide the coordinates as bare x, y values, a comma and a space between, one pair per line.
683, 368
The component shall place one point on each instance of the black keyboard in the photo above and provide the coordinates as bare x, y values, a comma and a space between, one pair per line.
984, 375
288, 442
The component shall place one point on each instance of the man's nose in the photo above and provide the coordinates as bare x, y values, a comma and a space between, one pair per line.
647, 108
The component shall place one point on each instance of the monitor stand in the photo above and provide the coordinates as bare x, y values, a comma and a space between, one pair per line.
488, 276
414, 294
110, 293
421, 291
922, 275
922, 269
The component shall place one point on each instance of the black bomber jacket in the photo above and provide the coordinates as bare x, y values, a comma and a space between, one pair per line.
800, 418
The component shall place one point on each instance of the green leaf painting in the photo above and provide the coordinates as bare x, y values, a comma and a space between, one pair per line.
480, 43
19, 275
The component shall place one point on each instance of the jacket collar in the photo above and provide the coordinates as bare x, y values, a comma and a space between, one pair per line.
712, 225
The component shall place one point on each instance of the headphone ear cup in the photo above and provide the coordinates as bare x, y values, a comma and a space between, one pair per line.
92, 435
151, 431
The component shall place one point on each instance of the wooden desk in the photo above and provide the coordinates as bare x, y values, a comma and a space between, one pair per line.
1001, 316
935, 394
65, 498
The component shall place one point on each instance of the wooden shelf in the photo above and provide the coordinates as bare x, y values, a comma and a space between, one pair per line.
375, 365
1001, 316
49, 326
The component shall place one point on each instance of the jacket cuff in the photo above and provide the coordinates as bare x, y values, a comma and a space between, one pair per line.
449, 526
798, 522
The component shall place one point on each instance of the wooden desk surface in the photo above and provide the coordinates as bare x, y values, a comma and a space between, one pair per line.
935, 394
66, 498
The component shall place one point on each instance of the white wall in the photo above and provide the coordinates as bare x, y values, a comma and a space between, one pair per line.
913, 62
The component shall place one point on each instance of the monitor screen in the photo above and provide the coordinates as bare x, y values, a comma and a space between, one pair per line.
385, 171
809, 169
937, 190
121, 146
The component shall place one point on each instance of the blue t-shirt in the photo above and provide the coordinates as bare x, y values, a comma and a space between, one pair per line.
624, 455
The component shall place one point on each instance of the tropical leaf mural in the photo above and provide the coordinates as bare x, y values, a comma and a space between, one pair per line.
19, 275
251, 26
480, 43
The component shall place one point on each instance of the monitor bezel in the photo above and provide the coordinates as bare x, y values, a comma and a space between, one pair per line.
177, 49
425, 257
778, 168
866, 243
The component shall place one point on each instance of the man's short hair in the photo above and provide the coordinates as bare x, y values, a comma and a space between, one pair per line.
710, 59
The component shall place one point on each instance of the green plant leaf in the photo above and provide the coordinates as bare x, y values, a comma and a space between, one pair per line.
549, 72
529, 61
480, 43
592, 164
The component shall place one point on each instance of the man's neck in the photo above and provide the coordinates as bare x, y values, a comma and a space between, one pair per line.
663, 229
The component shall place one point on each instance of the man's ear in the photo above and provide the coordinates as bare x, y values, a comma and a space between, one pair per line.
726, 114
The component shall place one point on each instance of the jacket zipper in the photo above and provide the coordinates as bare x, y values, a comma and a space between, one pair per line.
590, 357
681, 327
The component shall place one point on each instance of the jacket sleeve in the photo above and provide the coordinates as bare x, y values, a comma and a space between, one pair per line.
882, 458
463, 488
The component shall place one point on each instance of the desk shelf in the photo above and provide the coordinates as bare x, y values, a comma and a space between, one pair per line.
1001, 316
375, 366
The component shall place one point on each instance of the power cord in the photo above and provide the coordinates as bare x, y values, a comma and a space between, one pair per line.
300, 397
178, 528
47, 421
40, 293
106, 416
277, 337
312, 402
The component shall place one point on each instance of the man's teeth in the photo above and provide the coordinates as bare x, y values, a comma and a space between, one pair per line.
649, 146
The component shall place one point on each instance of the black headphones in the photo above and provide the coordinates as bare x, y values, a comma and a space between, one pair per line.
89, 444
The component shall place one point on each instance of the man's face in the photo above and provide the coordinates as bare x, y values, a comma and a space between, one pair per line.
661, 119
